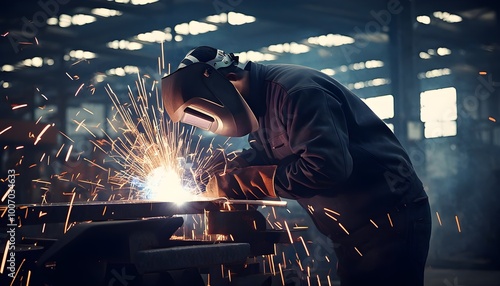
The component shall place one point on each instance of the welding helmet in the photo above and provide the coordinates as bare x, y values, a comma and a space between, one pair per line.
200, 95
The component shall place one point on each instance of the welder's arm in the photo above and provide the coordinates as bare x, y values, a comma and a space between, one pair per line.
318, 137
253, 182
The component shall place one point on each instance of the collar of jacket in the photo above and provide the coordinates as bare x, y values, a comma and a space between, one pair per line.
257, 97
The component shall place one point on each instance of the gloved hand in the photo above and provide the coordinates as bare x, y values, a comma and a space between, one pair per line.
249, 183
218, 162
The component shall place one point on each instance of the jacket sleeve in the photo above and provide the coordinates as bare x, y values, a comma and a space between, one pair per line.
252, 156
318, 137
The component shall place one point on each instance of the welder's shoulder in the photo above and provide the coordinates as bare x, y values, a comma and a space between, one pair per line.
296, 79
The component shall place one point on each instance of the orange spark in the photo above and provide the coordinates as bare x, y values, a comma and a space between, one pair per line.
7, 193
69, 152
332, 211
492, 119
4, 259
69, 212
330, 216
88, 111
19, 106
343, 228
60, 149
1, 132
483, 73
17, 272
358, 251
439, 219
39, 137
458, 224
289, 233
80, 88
67, 137
374, 223
304, 244
390, 220
281, 274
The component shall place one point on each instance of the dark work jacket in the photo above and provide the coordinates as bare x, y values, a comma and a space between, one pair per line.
334, 155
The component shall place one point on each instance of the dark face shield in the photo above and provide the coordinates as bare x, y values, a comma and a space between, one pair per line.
201, 96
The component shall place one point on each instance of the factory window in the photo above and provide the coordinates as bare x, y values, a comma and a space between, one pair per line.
438, 111
382, 105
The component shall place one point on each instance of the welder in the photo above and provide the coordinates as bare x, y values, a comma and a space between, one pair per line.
312, 140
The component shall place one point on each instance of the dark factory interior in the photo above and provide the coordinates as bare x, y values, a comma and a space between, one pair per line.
84, 133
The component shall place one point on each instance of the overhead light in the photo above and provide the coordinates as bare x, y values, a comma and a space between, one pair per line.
121, 71
443, 51
378, 82
155, 36
194, 28
105, 12
134, 2
49, 61
217, 19
236, 19
142, 2
52, 21
329, 72
37, 62
33, 62
330, 40
255, 56
371, 64
64, 21
80, 54
426, 20
99, 77
7, 68
359, 85
82, 19
124, 45
447, 17
293, 48
369, 83
434, 73
5, 84
424, 55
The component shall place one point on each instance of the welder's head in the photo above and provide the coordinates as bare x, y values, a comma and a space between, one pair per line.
199, 93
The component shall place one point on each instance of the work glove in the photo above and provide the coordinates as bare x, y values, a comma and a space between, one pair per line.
218, 162
247, 183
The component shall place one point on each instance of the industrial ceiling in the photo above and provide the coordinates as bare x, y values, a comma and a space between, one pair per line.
62, 52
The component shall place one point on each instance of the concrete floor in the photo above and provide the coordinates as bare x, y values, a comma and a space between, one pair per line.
461, 277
